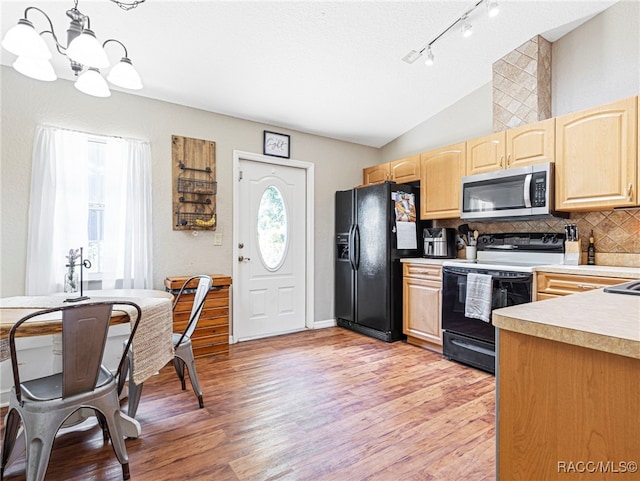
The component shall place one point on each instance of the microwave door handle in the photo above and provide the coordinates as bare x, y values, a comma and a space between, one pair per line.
527, 190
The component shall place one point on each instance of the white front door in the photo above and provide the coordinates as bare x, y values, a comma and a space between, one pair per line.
270, 284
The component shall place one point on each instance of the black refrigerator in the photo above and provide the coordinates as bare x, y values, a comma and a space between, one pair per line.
372, 233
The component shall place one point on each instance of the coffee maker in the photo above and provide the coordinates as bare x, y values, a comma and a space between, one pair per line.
439, 242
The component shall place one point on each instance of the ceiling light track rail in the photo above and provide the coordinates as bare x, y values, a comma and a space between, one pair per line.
413, 55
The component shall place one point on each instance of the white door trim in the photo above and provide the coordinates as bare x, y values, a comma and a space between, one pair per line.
309, 261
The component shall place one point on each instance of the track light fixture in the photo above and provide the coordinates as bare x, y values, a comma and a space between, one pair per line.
86, 55
430, 59
465, 28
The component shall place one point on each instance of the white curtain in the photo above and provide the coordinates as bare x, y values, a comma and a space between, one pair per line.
58, 210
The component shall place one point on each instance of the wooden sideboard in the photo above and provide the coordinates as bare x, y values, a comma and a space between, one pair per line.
211, 336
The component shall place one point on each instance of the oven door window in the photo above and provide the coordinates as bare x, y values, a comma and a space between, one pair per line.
506, 291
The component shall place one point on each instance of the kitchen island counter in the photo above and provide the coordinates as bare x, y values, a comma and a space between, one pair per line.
568, 397
594, 319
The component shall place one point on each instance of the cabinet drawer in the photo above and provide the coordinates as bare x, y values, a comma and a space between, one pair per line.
214, 313
216, 322
423, 271
564, 284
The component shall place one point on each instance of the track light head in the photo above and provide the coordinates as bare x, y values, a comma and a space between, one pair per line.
430, 58
466, 29
493, 8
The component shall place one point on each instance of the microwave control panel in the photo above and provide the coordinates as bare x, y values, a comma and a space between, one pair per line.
539, 187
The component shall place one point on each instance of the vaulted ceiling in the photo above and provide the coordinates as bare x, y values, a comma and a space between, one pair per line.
328, 68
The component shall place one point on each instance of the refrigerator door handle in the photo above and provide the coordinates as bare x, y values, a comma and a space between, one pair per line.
351, 247
356, 245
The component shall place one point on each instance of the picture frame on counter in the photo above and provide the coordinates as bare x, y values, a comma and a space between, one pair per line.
276, 145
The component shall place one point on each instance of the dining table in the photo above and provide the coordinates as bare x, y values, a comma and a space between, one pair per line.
153, 347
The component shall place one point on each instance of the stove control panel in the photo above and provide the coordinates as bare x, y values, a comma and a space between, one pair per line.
529, 241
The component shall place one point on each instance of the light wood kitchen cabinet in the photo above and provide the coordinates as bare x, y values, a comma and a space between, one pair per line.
551, 285
486, 154
401, 171
376, 174
597, 157
517, 147
405, 170
531, 144
422, 294
441, 171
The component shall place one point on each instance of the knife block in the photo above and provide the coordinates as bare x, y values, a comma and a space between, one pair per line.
572, 253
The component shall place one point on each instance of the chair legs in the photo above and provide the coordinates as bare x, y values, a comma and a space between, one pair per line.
184, 357
135, 390
41, 425
11, 428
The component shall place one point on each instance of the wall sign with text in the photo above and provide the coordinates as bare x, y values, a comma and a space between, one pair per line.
276, 144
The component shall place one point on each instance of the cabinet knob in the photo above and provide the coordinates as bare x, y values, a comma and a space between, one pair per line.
502, 161
629, 192
508, 160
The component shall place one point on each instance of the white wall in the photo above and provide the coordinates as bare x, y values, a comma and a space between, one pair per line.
596, 63
27, 102
468, 118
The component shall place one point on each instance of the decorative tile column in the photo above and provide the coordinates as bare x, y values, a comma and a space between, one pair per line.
522, 85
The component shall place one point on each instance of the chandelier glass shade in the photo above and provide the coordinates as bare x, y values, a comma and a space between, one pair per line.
35, 68
85, 53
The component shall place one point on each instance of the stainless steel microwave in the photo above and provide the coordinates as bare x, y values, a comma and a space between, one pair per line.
510, 194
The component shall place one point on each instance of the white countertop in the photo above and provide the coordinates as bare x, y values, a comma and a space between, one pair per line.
583, 270
424, 260
595, 319
586, 270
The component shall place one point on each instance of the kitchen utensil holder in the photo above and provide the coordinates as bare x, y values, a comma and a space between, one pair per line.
572, 253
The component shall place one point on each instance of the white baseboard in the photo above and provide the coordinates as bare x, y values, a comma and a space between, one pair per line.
325, 323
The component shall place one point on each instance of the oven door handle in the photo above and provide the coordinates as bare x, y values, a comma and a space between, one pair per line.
517, 278
473, 347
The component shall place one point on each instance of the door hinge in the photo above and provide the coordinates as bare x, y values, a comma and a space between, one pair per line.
240, 176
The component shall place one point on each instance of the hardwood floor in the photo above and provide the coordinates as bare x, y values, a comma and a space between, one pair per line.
327, 405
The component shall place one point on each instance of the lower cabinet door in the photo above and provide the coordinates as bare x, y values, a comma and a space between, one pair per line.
422, 312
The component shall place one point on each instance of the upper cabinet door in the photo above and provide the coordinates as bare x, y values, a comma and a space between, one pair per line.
376, 174
531, 144
486, 154
597, 157
441, 174
405, 170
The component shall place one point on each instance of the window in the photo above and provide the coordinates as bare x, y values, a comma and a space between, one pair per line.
95, 251
272, 228
93, 192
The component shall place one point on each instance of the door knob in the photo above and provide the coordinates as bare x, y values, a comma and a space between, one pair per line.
243, 259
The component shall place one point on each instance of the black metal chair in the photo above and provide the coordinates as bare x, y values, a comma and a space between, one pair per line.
42, 405
181, 343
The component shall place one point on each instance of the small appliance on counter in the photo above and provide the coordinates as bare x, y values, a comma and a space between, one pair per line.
439, 242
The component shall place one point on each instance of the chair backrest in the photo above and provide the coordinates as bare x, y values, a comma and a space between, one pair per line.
200, 296
84, 336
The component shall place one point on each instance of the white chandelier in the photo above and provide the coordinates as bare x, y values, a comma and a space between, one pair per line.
85, 54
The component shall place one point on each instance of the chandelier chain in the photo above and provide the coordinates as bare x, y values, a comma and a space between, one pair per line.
127, 5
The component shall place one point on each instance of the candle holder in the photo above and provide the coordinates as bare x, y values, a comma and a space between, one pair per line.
70, 279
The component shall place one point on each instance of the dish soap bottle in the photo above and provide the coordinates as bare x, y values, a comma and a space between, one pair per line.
591, 250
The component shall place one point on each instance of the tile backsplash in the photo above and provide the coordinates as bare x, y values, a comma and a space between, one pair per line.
616, 232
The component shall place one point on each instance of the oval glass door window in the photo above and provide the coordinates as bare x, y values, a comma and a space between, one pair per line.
273, 228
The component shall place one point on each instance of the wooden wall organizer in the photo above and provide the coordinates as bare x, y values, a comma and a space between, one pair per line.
194, 183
